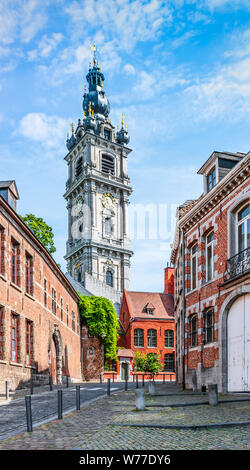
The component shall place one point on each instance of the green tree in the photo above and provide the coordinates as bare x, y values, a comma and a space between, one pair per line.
154, 365
140, 362
100, 317
41, 230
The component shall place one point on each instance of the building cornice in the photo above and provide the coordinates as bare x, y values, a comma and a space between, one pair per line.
213, 198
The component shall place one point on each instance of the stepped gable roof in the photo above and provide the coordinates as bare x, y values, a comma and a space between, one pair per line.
163, 304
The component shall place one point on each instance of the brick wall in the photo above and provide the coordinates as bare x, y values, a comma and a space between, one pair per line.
46, 326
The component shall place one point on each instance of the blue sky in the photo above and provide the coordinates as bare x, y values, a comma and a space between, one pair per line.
179, 70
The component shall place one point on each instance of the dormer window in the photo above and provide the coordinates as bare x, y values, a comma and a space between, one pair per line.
211, 179
149, 309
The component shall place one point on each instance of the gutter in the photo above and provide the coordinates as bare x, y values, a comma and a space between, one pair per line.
183, 309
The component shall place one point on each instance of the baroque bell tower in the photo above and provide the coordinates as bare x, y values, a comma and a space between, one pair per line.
97, 193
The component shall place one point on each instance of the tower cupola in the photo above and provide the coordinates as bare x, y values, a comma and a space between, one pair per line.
122, 136
96, 96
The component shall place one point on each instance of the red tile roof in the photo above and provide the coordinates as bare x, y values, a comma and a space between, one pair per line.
137, 301
125, 353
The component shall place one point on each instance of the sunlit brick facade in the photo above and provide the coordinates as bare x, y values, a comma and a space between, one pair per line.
39, 319
212, 301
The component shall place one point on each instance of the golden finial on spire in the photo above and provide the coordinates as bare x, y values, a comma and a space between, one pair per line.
92, 112
123, 117
84, 113
101, 83
90, 107
85, 89
95, 118
72, 127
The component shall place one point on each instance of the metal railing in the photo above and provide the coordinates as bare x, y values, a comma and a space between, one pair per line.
237, 265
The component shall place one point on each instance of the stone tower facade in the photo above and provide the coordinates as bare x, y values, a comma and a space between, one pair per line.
97, 193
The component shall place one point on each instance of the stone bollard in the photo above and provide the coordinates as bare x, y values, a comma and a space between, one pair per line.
151, 388
140, 399
213, 394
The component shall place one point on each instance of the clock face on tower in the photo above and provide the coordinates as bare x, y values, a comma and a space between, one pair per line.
108, 201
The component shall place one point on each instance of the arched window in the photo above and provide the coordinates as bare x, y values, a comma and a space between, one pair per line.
109, 278
138, 338
108, 164
152, 338
169, 339
243, 228
209, 256
169, 362
78, 169
107, 226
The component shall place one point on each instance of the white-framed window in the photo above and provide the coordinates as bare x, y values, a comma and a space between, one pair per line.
210, 256
194, 265
211, 179
243, 228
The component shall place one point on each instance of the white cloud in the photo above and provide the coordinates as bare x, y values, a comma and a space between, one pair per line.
50, 131
21, 20
46, 46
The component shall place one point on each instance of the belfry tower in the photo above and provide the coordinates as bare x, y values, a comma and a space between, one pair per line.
97, 193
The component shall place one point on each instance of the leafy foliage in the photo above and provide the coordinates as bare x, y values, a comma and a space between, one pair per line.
101, 319
153, 363
140, 361
41, 230
148, 363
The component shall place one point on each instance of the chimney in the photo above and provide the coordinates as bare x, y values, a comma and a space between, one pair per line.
169, 280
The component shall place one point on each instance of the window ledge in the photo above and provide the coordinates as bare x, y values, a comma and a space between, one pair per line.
210, 345
16, 286
30, 296
30, 367
193, 348
2, 276
16, 364
3, 362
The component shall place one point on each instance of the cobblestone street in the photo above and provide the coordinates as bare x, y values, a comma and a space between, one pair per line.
107, 424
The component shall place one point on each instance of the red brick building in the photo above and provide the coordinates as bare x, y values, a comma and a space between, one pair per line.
39, 319
147, 320
211, 254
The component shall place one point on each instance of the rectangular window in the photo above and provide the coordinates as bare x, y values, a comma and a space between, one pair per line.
53, 301
1, 250
14, 337
61, 309
67, 314
28, 274
194, 265
45, 292
209, 326
73, 320
28, 342
193, 331
210, 256
211, 179
15, 278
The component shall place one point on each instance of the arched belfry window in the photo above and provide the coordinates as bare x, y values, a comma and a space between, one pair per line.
108, 164
109, 278
78, 169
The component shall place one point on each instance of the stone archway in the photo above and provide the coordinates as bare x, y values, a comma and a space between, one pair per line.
55, 355
223, 335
